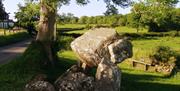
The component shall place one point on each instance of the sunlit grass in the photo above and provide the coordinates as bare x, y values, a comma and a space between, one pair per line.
5, 32
144, 47
78, 31
125, 29
71, 25
12, 38
135, 76
17, 73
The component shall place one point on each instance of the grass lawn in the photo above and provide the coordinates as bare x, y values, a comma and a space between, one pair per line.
121, 29
12, 38
125, 29
72, 28
137, 80
18, 72
14, 75
7, 32
71, 25
142, 48
78, 31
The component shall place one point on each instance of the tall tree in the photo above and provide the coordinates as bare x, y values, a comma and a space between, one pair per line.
154, 13
111, 10
3, 14
27, 14
48, 9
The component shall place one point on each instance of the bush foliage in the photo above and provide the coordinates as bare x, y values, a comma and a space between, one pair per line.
164, 54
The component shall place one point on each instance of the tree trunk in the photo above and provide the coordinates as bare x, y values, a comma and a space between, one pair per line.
46, 27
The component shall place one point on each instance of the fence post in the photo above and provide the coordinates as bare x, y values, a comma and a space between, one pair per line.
4, 31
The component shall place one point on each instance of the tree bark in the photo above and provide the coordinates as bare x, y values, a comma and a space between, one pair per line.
46, 26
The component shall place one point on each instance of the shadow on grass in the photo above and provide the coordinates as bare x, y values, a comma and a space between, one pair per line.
132, 82
74, 35
61, 66
62, 30
144, 38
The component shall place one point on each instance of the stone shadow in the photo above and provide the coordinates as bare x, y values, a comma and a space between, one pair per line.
132, 82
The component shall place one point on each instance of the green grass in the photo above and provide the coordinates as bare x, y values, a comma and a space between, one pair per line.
14, 75
125, 29
7, 32
78, 31
17, 73
142, 48
72, 28
9, 39
122, 29
137, 80
71, 25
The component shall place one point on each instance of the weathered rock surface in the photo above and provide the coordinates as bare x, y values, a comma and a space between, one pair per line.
39, 86
75, 80
108, 77
102, 48
38, 83
92, 46
120, 50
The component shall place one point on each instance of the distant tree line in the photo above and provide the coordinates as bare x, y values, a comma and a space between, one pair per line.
166, 23
156, 16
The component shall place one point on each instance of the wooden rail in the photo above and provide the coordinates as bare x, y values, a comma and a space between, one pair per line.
135, 62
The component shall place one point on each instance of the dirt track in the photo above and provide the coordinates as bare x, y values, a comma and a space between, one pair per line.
10, 52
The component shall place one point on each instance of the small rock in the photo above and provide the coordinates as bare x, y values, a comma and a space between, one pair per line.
39, 86
39, 83
74, 81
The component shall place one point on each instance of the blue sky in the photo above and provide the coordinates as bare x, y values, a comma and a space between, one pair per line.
92, 9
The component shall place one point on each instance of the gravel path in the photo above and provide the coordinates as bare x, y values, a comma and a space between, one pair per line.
10, 52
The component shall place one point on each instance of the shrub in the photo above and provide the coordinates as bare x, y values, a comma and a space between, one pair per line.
88, 26
113, 25
164, 54
63, 43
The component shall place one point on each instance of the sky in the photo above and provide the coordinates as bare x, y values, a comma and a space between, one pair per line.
92, 9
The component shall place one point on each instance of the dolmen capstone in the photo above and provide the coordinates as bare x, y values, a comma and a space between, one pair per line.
102, 48
98, 44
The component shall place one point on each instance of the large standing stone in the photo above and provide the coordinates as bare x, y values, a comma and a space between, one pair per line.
108, 77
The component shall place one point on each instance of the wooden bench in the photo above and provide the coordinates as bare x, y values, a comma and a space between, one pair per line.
135, 62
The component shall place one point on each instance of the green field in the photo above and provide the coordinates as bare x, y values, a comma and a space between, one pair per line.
14, 75
138, 80
145, 47
125, 29
13, 38
70, 26
7, 32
